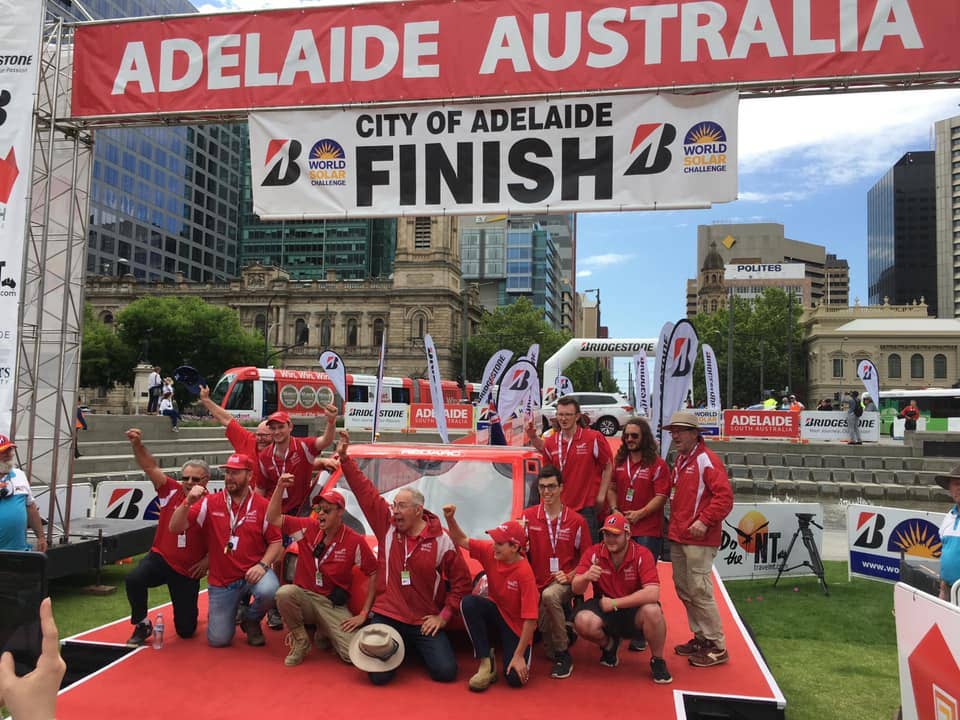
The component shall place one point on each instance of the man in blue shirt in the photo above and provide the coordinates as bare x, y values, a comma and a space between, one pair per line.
950, 534
17, 506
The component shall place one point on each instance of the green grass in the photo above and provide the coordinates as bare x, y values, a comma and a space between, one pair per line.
833, 657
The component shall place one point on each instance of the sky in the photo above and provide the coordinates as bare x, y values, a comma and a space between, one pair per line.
805, 162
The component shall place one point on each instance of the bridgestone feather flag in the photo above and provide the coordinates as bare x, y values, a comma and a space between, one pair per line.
517, 385
641, 384
332, 365
563, 386
436, 392
376, 399
681, 356
659, 368
712, 378
867, 372
492, 374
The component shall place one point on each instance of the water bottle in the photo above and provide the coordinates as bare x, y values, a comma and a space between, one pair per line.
158, 632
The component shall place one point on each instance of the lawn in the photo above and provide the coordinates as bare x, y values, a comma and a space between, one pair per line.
834, 657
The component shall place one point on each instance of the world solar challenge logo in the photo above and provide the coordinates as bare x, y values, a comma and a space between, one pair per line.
705, 148
327, 164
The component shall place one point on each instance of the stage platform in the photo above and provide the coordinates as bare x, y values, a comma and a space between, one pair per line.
188, 677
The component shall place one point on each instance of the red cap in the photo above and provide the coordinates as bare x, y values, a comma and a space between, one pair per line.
5, 443
334, 498
239, 461
510, 531
280, 416
616, 524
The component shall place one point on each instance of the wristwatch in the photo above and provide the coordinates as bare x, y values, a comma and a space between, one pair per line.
262, 564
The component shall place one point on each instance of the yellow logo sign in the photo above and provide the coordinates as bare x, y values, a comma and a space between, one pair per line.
729, 241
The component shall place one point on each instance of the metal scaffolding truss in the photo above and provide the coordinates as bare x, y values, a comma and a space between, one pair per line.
51, 310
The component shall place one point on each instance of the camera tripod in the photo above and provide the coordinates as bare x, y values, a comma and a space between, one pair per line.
804, 521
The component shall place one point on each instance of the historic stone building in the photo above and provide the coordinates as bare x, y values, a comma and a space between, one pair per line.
910, 349
423, 296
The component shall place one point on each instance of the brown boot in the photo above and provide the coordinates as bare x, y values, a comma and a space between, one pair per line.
299, 643
254, 633
486, 674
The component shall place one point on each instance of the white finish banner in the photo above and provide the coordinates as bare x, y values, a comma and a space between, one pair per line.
623, 152
19, 47
754, 534
927, 654
876, 537
392, 416
832, 425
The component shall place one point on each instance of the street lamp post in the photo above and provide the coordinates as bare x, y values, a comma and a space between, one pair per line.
730, 348
597, 377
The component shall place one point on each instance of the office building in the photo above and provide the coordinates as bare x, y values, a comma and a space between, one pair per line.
901, 234
947, 184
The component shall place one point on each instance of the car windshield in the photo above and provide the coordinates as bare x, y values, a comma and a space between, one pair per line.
220, 389
482, 491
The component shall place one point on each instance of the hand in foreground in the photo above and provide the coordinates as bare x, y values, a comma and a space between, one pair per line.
432, 624
134, 435
449, 511
519, 665
34, 696
352, 623
697, 529
343, 443
199, 569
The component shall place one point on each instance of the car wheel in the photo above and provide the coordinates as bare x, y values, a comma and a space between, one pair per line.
607, 425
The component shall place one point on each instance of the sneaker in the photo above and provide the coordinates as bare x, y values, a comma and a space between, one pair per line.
274, 621
562, 666
254, 633
658, 666
141, 632
709, 656
176, 429
608, 655
691, 647
638, 644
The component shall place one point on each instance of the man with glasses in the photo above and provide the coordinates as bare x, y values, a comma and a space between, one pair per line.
556, 537
702, 498
243, 441
328, 550
422, 575
583, 456
177, 560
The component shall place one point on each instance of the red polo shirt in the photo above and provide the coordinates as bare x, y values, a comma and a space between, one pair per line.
581, 459
249, 526
564, 540
638, 569
181, 551
510, 585
298, 461
645, 482
337, 560
245, 442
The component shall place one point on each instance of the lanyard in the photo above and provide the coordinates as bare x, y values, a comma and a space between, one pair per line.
633, 476
679, 467
330, 547
235, 520
282, 468
406, 552
553, 532
560, 459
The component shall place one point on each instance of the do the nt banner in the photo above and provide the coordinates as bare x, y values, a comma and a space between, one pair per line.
626, 152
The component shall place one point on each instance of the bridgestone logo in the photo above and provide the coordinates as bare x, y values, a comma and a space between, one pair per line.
368, 413
7, 60
834, 423
615, 347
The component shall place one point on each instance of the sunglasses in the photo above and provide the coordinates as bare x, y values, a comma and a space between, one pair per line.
633, 436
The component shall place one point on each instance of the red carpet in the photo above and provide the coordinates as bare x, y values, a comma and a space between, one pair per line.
188, 679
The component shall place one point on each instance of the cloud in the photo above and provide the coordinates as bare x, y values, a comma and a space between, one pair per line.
605, 260
584, 273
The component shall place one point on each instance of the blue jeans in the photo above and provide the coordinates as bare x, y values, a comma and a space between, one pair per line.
435, 651
479, 615
651, 543
589, 513
173, 415
224, 601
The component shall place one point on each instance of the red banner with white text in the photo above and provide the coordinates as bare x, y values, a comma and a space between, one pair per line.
774, 424
459, 417
436, 49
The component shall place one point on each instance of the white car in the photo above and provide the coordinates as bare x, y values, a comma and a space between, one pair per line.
607, 412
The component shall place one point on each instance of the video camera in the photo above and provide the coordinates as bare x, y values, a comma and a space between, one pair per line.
805, 520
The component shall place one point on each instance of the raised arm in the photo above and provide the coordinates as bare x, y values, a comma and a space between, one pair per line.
180, 518
145, 459
329, 431
456, 533
275, 507
222, 416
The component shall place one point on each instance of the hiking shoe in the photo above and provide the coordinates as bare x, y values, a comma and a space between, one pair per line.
485, 676
608, 655
709, 656
638, 644
254, 633
141, 631
658, 666
299, 643
274, 621
562, 666
691, 647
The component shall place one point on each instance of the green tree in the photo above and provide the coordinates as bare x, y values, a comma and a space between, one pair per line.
760, 347
104, 358
516, 327
189, 331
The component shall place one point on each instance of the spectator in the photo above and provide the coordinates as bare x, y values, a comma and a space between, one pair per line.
167, 386
154, 388
825, 405
18, 509
168, 409
911, 413
79, 423
868, 404
796, 405
854, 411
950, 534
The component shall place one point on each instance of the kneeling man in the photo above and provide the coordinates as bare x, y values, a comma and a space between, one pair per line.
626, 596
